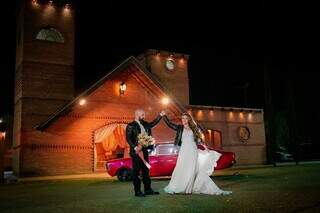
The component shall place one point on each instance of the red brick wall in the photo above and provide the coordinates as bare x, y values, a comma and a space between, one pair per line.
67, 146
38, 17
44, 74
252, 151
177, 80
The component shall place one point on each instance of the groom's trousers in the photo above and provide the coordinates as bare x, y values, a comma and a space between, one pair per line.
137, 166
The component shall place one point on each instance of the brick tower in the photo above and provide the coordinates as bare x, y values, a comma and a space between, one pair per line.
44, 72
171, 69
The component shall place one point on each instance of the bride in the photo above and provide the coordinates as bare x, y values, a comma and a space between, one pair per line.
193, 167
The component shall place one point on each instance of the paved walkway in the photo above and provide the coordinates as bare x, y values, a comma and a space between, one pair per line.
66, 177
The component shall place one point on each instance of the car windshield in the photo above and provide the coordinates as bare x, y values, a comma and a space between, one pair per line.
165, 149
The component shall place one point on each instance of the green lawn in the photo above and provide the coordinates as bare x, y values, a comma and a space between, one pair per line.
280, 189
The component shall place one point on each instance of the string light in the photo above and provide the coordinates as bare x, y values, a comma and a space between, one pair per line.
34, 2
67, 6
50, 3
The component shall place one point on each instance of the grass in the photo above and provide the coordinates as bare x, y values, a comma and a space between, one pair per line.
280, 189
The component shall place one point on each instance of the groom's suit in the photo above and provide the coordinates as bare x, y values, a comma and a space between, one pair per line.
132, 131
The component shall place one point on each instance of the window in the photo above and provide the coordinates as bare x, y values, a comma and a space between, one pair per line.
167, 149
50, 34
214, 139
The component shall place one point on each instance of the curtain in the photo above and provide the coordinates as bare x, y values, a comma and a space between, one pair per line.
104, 132
112, 138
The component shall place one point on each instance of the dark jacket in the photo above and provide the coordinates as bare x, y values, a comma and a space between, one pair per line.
178, 128
133, 130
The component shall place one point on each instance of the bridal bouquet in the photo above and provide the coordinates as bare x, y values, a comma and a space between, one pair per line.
145, 140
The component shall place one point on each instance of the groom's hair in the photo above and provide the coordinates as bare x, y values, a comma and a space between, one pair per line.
136, 113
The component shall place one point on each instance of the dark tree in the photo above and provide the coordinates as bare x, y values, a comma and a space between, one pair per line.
269, 117
290, 97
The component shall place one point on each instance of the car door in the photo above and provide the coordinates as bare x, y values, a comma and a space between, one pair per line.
167, 157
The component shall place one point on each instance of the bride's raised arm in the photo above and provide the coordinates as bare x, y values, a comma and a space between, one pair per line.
169, 123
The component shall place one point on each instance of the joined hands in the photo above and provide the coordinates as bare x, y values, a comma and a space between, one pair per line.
162, 113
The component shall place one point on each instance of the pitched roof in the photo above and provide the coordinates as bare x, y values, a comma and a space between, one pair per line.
126, 63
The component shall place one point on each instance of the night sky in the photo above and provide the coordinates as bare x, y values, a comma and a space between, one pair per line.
228, 47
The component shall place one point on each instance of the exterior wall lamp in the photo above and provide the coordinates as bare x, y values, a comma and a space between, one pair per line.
122, 88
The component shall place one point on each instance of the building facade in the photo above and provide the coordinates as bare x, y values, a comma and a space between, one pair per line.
57, 133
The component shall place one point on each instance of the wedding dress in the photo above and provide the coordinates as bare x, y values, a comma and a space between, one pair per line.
193, 169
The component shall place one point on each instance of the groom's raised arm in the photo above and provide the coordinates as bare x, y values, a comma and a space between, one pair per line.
155, 121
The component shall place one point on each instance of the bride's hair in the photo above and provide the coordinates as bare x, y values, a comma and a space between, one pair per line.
194, 127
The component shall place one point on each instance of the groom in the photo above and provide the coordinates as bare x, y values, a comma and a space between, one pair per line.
139, 125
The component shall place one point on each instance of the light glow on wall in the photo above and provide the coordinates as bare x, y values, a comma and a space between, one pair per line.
199, 114
2, 135
241, 116
211, 113
231, 115
165, 101
35, 3
67, 6
82, 102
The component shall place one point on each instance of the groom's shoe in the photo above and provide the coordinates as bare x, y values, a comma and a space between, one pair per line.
139, 194
151, 192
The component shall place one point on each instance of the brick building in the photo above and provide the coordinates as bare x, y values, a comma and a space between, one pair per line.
57, 133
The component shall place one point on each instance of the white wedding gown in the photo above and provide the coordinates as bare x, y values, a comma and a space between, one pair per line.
193, 169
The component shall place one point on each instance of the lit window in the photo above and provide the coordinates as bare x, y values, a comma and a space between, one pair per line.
213, 139
50, 34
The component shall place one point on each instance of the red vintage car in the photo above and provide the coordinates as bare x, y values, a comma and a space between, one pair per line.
162, 160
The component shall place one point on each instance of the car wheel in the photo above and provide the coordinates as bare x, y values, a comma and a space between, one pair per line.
124, 175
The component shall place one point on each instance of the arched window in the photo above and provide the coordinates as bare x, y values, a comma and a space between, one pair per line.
213, 139
50, 34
